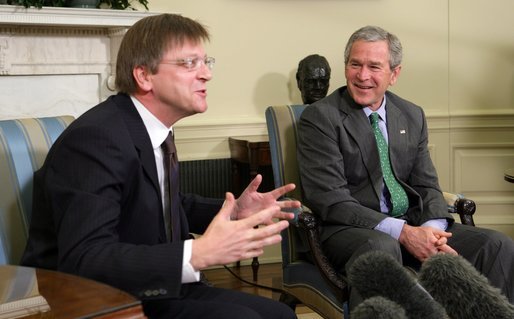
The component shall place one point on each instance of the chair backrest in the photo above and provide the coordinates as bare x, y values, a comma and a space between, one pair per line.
24, 144
282, 131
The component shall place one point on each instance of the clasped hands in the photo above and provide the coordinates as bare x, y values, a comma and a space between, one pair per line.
232, 236
424, 241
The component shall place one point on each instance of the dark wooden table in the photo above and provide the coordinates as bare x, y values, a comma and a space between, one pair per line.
250, 156
76, 297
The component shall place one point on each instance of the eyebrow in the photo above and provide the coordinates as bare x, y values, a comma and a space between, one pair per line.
375, 63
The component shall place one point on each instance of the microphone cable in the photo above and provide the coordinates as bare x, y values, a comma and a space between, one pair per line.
253, 283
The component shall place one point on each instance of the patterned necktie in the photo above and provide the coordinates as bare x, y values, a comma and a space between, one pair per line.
398, 196
172, 183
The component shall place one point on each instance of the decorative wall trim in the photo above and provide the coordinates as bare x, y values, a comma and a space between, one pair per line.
209, 140
54, 16
479, 167
494, 118
198, 132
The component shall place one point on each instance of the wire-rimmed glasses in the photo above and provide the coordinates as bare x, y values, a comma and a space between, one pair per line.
193, 63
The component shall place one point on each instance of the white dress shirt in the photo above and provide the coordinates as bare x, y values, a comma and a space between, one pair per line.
158, 133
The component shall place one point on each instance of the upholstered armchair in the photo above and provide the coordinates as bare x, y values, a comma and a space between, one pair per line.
308, 277
24, 144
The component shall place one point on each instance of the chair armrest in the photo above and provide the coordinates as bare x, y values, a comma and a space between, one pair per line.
308, 222
462, 206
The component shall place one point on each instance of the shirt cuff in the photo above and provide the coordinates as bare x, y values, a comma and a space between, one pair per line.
391, 226
440, 223
189, 274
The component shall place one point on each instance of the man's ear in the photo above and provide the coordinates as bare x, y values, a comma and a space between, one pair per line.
395, 74
142, 77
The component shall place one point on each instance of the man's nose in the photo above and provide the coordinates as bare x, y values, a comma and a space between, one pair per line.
204, 72
363, 73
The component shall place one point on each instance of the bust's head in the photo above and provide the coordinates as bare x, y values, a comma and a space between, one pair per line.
313, 77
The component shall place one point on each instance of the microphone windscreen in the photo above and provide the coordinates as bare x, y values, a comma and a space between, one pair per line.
462, 290
377, 273
378, 308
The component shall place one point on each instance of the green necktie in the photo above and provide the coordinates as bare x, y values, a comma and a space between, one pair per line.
398, 196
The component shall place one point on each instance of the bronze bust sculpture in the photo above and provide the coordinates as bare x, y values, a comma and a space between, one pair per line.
313, 77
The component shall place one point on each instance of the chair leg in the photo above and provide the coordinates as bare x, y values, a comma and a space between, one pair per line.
289, 300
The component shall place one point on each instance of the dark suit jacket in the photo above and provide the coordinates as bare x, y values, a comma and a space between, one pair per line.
97, 209
340, 167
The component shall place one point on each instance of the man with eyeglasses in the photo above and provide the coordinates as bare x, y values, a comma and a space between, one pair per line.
106, 205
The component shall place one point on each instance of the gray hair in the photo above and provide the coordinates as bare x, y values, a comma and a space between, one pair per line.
373, 34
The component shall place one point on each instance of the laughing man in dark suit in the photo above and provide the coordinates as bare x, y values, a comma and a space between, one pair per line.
343, 181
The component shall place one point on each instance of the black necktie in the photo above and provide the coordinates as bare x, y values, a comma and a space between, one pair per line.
172, 183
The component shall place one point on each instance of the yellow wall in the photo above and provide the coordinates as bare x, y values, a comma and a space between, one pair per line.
481, 56
459, 54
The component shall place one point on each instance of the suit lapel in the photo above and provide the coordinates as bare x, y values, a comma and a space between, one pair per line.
397, 132
359, 127
140, 137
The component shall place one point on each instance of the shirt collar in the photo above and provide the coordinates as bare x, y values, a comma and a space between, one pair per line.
156, 130
381, 110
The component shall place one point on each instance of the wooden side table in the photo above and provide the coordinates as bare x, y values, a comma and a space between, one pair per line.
509, 175
250, 156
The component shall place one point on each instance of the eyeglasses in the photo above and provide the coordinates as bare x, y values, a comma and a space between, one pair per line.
193, 63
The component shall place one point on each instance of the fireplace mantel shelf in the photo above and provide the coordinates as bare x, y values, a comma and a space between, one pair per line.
39, 78
54, 16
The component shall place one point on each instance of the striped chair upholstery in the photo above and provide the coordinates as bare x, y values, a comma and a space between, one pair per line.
24, 144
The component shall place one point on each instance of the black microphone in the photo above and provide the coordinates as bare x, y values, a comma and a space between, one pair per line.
377, 273
462, 290
378, 308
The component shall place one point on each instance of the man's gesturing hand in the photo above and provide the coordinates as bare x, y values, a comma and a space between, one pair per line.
252, 201
226, 241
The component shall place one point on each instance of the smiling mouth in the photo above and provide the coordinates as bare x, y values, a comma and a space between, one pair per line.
362, 87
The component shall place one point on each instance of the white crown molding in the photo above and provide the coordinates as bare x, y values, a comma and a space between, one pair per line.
55, 16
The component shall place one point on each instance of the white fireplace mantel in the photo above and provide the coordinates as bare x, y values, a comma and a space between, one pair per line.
53, 16
58, 60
